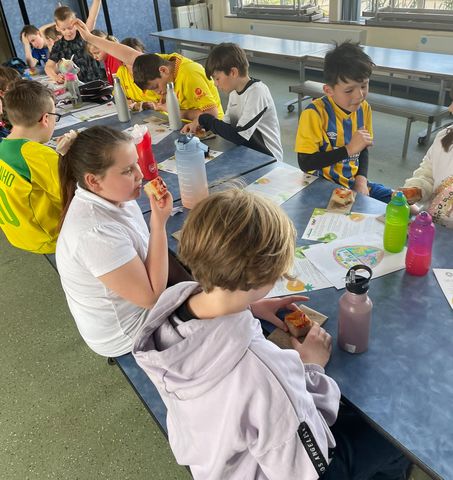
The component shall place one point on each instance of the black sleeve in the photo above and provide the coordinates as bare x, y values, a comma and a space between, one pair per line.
319, 160
225, 130
56, 53
363, 163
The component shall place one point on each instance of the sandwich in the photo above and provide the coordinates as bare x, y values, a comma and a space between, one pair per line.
156, 187
298, 322
343, 196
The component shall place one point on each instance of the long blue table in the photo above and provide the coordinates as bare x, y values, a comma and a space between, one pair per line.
234, 161
403, 384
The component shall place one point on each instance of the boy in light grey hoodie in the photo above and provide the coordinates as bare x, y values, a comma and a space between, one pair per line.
239, 407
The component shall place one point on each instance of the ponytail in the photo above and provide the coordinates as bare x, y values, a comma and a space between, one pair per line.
67, 184
90, 152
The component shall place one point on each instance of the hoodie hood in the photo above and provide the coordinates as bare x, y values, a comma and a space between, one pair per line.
187, 359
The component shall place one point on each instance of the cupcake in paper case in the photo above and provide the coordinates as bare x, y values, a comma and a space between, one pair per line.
441, 208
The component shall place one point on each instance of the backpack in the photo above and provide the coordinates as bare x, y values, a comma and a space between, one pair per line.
97, 91
16, 63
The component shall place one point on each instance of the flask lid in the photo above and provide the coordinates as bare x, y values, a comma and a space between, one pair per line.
170, 86
189, 143
358, 284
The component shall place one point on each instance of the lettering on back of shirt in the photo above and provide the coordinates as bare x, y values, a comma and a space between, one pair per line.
6, 177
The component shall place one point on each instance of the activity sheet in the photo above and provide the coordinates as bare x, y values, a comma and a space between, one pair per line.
334, 259
66, 121
169, 165
281, 183
445, 278
94, 113
306, 277
325, 226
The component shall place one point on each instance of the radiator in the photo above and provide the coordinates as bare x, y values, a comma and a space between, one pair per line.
436, 43
308, 33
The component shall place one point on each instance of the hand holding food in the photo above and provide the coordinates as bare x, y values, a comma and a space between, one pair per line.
156, 187
412, 194
316, 347
298, 322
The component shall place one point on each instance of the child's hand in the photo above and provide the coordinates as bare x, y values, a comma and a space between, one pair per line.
266, 308
359, 141
58, 78
361, 185
160, 209
191, 127
24, 39
160, 107
82, 29
316, 347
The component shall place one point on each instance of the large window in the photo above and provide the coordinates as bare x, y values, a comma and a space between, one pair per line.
435, 14
291, 9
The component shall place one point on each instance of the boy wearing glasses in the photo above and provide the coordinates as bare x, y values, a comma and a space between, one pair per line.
30, 201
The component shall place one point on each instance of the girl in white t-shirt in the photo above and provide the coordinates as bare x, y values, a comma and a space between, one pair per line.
111, 272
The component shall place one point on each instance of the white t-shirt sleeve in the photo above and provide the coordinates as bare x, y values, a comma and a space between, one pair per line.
105, 248
253, 108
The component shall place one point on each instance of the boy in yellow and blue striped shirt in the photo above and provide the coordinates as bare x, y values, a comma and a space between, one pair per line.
336, 130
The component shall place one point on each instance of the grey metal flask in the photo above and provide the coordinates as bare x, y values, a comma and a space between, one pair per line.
174, 114
124, 114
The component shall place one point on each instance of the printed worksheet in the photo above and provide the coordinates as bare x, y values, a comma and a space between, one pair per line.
169, 165
158, 128
281, 183
66, 121
445, 278
94, 113
325, 226
334, 259
306, 277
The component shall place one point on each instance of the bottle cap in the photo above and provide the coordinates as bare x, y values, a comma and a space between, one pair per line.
70, 77
170, 86
358, 284
137, 133
424, 218
399, 198
189, 143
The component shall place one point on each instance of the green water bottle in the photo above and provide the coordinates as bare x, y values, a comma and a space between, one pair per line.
396, 223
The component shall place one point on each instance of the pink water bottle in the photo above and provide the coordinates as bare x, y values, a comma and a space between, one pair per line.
354, 311
420, 245
143, 144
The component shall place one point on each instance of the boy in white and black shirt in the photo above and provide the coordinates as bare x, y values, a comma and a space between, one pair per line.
250, 118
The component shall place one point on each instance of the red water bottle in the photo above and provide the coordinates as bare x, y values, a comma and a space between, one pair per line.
420, 245
143, 144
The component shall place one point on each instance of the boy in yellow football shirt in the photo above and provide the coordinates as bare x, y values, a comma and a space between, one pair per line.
196, 93
30, 201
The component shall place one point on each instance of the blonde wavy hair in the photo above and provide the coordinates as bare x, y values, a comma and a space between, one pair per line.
237, 240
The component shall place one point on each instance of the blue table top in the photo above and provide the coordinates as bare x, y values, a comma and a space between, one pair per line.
404, 383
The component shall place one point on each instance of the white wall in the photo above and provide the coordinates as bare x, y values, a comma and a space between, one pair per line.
408, 39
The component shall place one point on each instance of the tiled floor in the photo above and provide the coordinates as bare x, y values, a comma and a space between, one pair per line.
66, 414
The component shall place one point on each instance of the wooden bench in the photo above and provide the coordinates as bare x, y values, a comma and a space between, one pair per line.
413, 110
